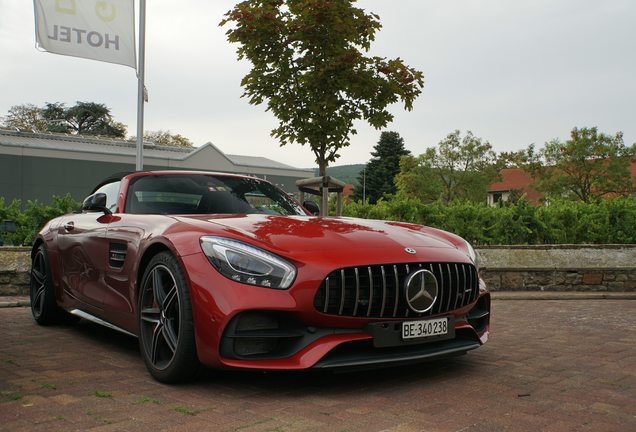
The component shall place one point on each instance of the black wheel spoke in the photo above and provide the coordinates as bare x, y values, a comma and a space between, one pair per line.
154, 349
170, 299
151, 315
170, 337
37, 275
38, 301
157, 288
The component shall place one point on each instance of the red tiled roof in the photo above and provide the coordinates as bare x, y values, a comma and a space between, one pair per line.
516, 178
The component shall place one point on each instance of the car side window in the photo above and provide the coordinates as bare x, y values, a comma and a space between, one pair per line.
112, 193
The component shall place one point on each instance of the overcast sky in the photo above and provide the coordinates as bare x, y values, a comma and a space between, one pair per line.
512, 72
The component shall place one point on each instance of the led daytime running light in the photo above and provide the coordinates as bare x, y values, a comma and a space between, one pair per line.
248, 264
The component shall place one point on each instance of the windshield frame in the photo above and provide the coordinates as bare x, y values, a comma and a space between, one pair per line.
236, 186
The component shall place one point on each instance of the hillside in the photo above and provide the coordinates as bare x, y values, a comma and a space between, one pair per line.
346, 173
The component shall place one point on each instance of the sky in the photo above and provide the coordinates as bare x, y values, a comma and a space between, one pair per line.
514, 73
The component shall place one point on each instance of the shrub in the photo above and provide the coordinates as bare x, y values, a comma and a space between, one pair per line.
32, 217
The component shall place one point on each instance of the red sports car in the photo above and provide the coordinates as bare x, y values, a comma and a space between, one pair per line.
230, 272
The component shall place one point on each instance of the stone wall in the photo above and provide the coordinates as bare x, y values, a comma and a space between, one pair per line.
15, 264
504, 268
559, 268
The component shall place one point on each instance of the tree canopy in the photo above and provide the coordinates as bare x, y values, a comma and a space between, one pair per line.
25, 117
376, 180
587, 167
83, 118
457, 168
166, 138
310, 67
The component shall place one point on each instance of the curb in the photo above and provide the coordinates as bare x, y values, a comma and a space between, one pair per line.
560, 295
16, 301
21, 301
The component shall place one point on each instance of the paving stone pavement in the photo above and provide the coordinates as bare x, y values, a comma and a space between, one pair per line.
550, 366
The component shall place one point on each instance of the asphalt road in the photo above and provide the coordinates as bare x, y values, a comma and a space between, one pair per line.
549, 366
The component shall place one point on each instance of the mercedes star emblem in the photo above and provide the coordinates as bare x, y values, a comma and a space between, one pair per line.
421, 290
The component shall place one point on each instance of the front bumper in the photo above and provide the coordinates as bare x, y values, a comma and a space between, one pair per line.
247, 327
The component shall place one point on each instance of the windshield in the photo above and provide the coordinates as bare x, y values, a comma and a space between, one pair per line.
207, 194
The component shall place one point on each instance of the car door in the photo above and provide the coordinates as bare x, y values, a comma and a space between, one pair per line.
81, 245
84, 250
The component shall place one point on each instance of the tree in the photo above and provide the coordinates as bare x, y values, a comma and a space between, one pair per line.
457, 168
417, 179
25, 117
84, 118
166, 138
309, 65
377, 178
588, 166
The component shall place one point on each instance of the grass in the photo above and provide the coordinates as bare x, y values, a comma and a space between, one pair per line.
185, 410
12, 396
48, 386
103, 394
146, 399
97, 417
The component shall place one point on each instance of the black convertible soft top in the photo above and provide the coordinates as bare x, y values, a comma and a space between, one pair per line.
111, 178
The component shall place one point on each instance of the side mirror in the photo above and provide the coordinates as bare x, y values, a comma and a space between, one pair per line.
96, 202
312, 207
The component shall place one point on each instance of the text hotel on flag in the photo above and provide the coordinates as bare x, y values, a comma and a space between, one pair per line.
101, 30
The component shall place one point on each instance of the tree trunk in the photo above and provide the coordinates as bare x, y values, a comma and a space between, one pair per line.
324, 196
322, 167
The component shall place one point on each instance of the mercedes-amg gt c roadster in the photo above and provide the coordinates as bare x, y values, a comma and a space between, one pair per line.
229, 271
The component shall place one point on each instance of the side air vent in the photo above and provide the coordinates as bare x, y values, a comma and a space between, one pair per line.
117, 255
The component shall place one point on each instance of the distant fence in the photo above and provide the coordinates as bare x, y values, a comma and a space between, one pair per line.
504, 268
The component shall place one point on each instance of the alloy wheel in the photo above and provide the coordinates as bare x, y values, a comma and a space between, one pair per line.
38, 283
160, 316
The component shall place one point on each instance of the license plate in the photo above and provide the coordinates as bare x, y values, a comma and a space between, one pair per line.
424, 329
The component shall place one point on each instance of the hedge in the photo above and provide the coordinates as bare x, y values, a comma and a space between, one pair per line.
562, 222
29, 219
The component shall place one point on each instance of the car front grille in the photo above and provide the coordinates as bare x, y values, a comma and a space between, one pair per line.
377, 291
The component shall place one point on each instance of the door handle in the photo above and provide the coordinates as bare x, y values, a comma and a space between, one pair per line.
69, 226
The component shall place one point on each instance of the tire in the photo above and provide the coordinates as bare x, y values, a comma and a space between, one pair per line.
166, 331
41, 291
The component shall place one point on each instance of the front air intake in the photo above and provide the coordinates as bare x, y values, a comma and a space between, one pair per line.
377, 291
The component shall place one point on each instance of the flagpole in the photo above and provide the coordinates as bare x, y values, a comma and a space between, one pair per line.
140, 86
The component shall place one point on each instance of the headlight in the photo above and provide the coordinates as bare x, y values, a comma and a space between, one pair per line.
247, 264
472, 254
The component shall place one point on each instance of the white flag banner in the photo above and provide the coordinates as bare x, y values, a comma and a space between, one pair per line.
101, 30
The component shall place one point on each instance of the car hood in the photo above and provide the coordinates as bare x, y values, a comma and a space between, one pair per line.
313, 234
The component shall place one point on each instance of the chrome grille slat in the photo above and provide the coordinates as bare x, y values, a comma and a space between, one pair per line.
383, 291
342, 291
370, 291
346, 291
459, 292
441, 285
450, 294
355, 305
396, 300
